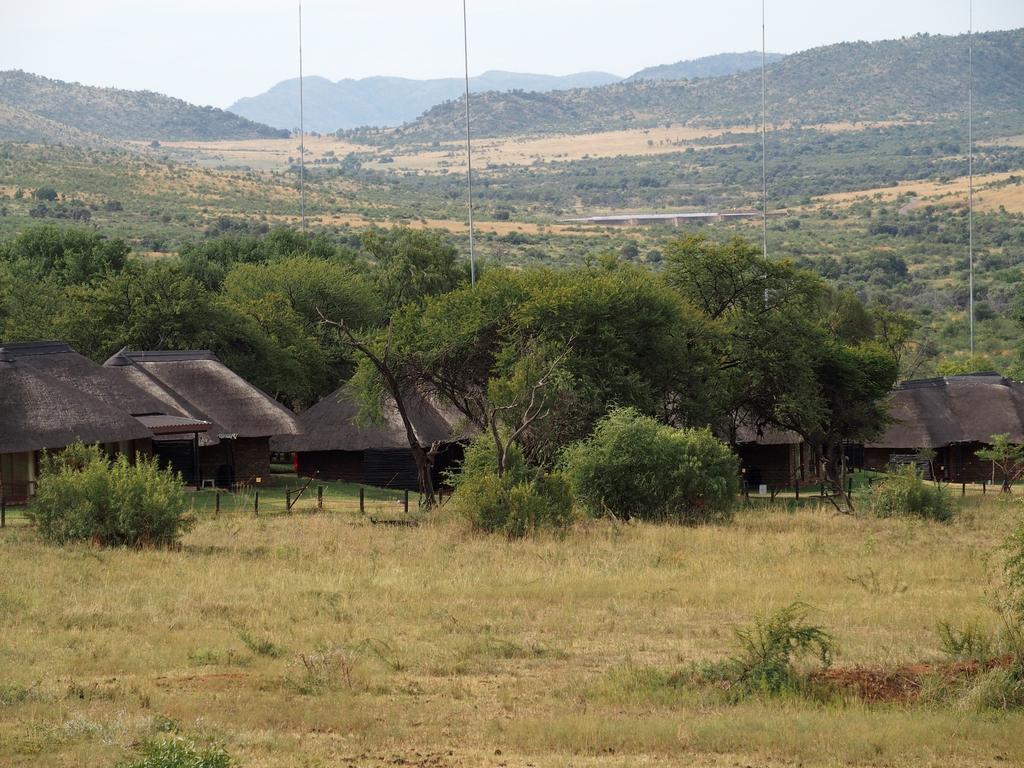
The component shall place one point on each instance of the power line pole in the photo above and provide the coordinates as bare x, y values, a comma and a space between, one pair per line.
764, 136
970, 166
469, 147
302, 134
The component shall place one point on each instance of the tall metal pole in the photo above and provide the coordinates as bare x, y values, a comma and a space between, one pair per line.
302, 134
970, 166
764, 136
469, 147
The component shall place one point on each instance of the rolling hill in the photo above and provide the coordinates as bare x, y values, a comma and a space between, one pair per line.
38, 109
387, 101
719, 65
914, 78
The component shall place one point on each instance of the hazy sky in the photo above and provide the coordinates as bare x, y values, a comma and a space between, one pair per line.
215, 51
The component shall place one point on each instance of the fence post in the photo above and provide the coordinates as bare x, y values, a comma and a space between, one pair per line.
256, 504
823, 489
405, 502
3, 510
849, 486
963, 488
287, 500
362, 500
217, 509
320, 498
982, 487
797, 485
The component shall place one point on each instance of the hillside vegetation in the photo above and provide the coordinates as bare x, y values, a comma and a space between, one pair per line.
38, 109
707, 66
915, 78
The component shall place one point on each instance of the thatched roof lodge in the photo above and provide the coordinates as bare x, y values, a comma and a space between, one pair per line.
42, 411
954, 416
186, 408
197, 385
335, 444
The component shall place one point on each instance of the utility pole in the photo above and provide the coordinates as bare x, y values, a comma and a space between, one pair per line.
970, 167
469, 147
302, 135
764, 136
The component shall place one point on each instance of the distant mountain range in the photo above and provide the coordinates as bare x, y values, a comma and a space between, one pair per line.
387, 101
38, 109
913, 78
392, 101
719, 65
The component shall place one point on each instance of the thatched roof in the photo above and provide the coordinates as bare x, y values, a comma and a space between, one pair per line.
931, 413
39, 411
57, 359
333, 424
199, 386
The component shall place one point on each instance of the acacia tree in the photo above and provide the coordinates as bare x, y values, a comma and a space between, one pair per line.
1007, 457
795, 354
534, 357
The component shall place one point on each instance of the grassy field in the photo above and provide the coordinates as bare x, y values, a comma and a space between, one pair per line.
322, 640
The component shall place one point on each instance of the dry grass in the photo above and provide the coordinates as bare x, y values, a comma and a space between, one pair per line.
317, 640
953, 192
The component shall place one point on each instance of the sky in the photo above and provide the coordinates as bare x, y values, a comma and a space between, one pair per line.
216, 51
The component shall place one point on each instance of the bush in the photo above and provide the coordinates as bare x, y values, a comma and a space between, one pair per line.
522, 501
84, 497
178, 754
633, 466
769, 653
906, 494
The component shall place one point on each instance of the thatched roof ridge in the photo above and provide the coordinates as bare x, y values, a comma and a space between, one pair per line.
198, 385
333, 424
930, 413
38, 411
57, 359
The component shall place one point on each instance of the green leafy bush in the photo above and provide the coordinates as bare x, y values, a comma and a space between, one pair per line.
84, 497
906, 494
523, 500
770, 651
178, 754
633, 466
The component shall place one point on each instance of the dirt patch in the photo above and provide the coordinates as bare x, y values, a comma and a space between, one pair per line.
902, 685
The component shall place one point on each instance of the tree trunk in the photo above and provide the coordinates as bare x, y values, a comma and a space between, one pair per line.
835, 470
424, 474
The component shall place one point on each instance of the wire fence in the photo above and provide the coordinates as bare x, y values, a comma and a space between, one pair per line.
378, 505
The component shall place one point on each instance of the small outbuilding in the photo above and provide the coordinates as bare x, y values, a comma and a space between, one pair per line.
335, 444
775, 457
196, 385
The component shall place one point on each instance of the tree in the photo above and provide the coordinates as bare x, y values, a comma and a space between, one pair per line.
589, 338
410, 265
961, 366
287, 299
1007, 457
795, 354
69, 256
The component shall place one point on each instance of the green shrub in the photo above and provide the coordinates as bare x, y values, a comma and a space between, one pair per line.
522, 501
84, 497
770, 651
178, 754
633, 466
906, 494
